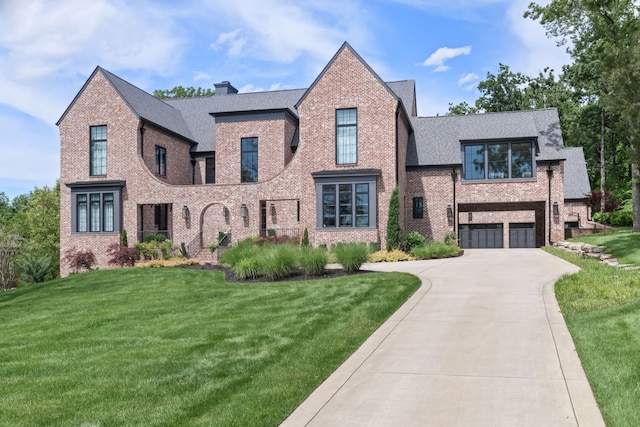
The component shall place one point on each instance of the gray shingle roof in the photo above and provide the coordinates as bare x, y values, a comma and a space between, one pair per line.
406, 91
437, 139
576, 179
197, 111
150, 108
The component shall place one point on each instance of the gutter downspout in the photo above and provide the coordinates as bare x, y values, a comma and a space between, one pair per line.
142, 130
549, 176
454, 176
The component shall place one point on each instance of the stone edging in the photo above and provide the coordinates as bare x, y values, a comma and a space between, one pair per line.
593, 252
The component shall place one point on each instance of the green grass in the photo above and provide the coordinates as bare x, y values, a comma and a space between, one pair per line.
180, 347
622, 244
601, 306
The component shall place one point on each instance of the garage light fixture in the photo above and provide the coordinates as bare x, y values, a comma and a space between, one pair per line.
449, 212
244, 212
556, 209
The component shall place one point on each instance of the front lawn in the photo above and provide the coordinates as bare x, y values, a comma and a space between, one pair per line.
180, 347
601, 306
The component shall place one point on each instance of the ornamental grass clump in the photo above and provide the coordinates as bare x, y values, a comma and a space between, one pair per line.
351, 255
313, 260
244, 249
248, 268
278, 261
435, 250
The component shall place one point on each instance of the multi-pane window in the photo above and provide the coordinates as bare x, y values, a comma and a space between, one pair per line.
346, 136
249, 160
94, 212
418, 207
210, 170
352, 204
160, 161
504, 160
98, 151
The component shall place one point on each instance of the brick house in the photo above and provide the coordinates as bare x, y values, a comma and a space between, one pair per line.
325, 159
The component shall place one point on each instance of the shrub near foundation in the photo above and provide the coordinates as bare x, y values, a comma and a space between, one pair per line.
435, 250
313, 260
351, 255
278, 261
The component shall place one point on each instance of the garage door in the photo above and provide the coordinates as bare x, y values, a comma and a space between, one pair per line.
522, 235
481, 236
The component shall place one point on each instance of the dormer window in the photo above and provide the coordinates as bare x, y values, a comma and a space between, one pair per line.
499, 160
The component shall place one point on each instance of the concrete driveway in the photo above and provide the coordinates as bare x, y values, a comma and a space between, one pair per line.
481, 343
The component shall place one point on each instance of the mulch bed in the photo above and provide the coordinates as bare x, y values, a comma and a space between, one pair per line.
297, 275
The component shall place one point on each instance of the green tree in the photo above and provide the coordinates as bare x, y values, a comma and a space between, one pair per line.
183, 92
604, 38
6, 211
394, 231
37, 221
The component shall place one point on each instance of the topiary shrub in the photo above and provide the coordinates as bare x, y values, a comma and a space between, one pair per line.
313, 260
413, 240
351, 255
123, 238
394, 231
305, 238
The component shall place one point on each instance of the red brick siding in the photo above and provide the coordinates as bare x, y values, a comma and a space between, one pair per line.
347, 83
179, 169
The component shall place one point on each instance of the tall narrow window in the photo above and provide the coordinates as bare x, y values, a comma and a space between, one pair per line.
329, 205
107, 212
249, 160
210, 170
346, 136
81, 214
161, 161
474, 161
98, 151
362, 205
94, 212
346, 205
418, 207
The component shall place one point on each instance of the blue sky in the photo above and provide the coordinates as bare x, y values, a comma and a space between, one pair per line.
49, 48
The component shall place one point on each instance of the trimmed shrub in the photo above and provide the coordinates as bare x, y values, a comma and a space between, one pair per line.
278, 261
394, 231
435, 250
313, 260
413, 240
390, 256
122, 256
151, 237
34, 269
243, 249
123, 238
373, 247
351, 255
155, 249
305, 238
80, 260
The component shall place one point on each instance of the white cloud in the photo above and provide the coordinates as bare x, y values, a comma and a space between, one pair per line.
538, 51
45, 43
468, 81
443, 54
201, 75
232, 40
